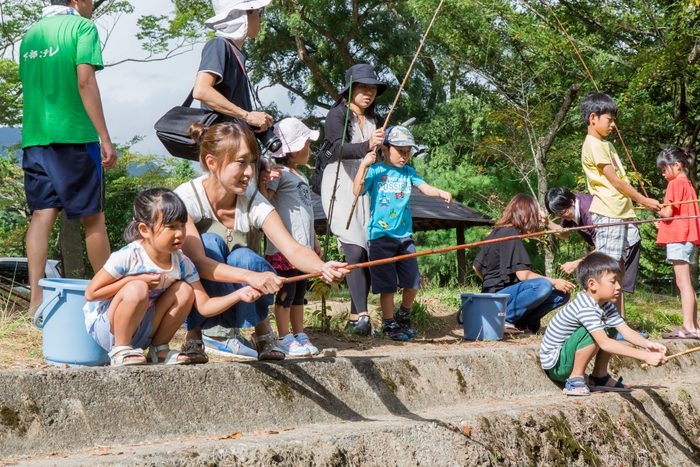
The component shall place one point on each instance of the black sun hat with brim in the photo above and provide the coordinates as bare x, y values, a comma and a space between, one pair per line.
365, 74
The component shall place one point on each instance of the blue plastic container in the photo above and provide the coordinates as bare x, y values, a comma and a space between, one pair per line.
65, 339
484, 315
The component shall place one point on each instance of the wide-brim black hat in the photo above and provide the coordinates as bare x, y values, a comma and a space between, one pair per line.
365, 74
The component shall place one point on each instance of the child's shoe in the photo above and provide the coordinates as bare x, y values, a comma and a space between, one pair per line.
362, 326
303, 339
394, 331
404, 320
290, 346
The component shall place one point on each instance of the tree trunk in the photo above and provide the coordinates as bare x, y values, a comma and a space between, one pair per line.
543, 145
71, 241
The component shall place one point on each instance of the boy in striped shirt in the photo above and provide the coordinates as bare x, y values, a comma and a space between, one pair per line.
586, 328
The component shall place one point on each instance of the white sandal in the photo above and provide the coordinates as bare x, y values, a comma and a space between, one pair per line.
120, 352
170, 359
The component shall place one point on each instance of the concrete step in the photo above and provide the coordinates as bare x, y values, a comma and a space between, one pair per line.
345, 407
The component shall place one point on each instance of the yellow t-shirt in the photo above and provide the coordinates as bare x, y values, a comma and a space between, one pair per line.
607, 201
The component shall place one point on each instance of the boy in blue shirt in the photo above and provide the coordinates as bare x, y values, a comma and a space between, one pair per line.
390, 227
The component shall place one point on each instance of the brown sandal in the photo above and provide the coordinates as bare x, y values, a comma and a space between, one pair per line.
194, 349
267, 347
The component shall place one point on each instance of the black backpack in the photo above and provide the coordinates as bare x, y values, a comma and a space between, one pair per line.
322, 158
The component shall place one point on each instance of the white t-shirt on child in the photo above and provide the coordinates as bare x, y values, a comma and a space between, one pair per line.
259, 208
132, 260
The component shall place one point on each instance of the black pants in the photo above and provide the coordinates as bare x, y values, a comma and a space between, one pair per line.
358, 279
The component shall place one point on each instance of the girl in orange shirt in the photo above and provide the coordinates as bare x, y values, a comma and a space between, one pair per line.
680, 236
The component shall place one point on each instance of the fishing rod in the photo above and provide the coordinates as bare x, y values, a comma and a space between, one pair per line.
396, 100
337, 174
482, 243
675, 203
675, 355
590, 75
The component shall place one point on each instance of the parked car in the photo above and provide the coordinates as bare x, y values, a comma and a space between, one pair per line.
14, 272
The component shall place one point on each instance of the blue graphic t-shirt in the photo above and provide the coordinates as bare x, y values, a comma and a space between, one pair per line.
389, 191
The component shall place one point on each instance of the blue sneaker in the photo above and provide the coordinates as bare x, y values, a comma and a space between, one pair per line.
233, 347
404, 321
394, 331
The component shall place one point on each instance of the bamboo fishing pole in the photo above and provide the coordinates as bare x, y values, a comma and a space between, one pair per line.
396, 100
676, 355
482, 243
675, 203
590, 75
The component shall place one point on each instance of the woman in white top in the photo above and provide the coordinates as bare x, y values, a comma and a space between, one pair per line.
223, 210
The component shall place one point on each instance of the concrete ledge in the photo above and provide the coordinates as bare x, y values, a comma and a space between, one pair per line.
69, 409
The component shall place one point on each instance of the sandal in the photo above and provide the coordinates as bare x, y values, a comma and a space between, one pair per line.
171, 359
599, 383
576, 387
119, 353
194, 349
267, 347
680, 333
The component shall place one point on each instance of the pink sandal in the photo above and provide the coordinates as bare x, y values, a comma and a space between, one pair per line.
680, 333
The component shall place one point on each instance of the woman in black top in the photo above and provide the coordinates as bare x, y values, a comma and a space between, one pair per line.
506, 268
364, 133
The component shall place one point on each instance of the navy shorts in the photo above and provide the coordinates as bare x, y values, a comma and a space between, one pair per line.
64, 176
405, 273
293, 292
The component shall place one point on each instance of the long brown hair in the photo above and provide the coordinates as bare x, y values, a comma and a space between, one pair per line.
222, 141
522, 213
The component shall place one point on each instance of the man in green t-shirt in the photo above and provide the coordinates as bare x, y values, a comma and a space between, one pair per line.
63, 125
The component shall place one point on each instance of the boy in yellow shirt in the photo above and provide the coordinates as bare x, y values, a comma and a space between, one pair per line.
608, 183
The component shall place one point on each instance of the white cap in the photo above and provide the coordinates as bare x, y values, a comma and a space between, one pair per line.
293, 134
224, 8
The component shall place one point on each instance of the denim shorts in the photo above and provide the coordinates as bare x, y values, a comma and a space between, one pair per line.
681, 252
405, 273
64, 176
141, 340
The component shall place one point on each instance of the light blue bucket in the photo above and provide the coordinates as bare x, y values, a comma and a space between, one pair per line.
484, 315
61, 317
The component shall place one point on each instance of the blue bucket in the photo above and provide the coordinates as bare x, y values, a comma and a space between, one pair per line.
484, 315
61, 317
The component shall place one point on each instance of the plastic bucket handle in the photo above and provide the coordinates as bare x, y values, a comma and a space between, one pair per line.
58, 293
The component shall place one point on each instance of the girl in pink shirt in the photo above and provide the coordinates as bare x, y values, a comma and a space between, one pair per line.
680, 236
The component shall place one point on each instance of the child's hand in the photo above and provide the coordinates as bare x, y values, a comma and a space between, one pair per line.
563, 286
333, 272
150, 278
651, 204
276, 171
655, 358
376, 138
447, 196
369, 159
248, 294
656, 347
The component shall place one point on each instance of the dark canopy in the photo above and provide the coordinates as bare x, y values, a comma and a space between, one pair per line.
428, 214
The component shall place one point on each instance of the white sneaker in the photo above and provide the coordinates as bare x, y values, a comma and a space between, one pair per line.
303, 339
291, 347
230, 347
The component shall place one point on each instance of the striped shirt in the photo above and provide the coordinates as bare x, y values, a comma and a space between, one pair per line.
582, 311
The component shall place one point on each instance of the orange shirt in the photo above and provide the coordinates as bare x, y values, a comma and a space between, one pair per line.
680, 230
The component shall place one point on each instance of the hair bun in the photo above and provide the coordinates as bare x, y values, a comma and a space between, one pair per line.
197, 131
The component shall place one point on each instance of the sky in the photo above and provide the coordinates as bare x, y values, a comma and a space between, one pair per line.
135, 95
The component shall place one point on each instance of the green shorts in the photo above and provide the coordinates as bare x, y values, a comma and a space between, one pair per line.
578, 340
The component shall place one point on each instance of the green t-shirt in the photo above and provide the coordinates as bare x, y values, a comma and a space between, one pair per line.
49, 55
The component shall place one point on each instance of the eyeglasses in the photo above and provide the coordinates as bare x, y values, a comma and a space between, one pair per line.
260, 11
